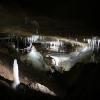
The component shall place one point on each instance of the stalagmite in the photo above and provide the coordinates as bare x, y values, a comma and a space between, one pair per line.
98, 44
15, 74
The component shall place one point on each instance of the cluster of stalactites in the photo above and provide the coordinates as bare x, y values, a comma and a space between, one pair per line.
93, 43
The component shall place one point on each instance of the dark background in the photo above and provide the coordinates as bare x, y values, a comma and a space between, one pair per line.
85, 11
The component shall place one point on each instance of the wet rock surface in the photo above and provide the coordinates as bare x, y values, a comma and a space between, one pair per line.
82, 82
22, 92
